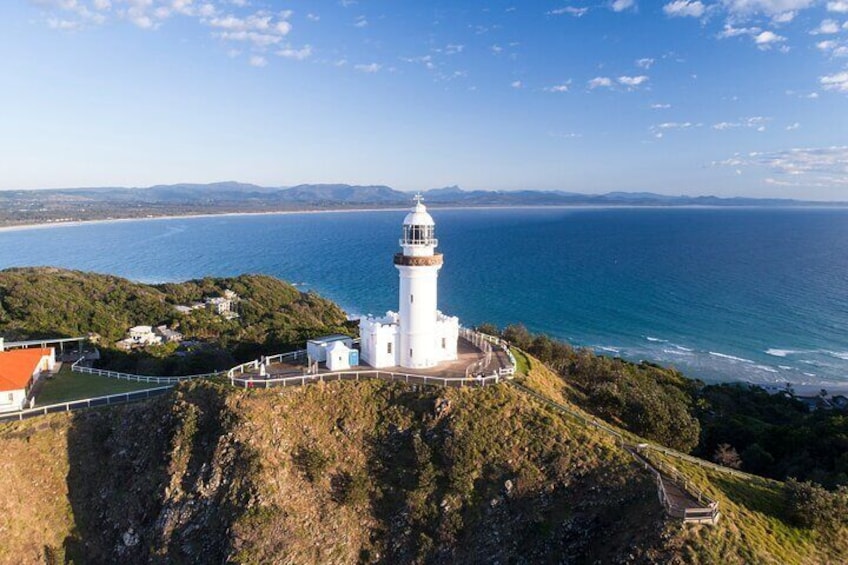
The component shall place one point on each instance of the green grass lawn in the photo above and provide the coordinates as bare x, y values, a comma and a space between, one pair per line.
72, 386
521, 360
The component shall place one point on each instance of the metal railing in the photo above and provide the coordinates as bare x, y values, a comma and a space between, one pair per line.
390, 376
485, 343
254, 365
707, 513
70, 406
77, 368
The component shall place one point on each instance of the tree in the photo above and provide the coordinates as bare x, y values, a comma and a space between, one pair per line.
810, 505
518, 335
725, 454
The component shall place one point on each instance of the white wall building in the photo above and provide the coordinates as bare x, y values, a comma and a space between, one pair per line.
19, 371
418, 336
316, 349
338, 356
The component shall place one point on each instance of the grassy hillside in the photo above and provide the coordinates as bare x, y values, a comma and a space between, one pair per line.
756, 524
362, 472
342, 472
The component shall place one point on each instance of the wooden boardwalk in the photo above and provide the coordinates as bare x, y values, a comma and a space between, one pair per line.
678, 496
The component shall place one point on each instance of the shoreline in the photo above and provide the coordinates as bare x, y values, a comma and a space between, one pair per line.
74, 223
801, 387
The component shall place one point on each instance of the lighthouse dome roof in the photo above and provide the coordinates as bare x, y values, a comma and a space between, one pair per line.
419, 216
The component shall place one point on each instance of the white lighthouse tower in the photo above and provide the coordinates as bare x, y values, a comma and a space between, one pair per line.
419, 336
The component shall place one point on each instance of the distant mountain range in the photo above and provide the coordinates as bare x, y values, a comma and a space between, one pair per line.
74, 204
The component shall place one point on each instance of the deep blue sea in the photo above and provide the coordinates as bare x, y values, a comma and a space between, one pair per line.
741, 294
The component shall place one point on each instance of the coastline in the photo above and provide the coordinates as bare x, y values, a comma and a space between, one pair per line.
696, 370
73, 223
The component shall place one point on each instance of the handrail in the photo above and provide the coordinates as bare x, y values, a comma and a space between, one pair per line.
485, 342
697, 515
390, 376
77, 368
278, 358
71, 405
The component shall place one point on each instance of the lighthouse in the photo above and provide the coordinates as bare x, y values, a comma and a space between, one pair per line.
418, 335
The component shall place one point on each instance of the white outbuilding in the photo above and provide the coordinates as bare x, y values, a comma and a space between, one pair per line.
338, 356
317, 348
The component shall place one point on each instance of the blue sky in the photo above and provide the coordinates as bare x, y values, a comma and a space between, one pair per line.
726, 97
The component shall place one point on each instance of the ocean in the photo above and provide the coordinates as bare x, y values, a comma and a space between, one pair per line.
756, 295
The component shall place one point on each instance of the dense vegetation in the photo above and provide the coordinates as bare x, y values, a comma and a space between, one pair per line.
274, 316
773, 435
649, 400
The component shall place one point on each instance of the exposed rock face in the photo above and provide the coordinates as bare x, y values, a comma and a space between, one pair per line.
157, 482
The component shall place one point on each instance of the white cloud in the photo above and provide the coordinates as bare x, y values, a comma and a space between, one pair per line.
684, 8
837, 82
793, 127
784, 17
566, 135
453, 49
731, 31
768, 7
64, 25
754, 122
632, 82
826, 27
558, 87
676, 125
258, 61
361, 21
313, 17
838, 6
570, 10
296, 54
660, 106
369, 68
767, 39
621, 5
659, 129
600, 81
516, 84
644, 63
811, 166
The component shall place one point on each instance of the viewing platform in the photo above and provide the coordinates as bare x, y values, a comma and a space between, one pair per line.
481, 360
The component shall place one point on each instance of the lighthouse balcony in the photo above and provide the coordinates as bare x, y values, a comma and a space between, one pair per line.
418, 260
426, 242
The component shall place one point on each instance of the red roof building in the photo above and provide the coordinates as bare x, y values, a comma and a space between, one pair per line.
19, 370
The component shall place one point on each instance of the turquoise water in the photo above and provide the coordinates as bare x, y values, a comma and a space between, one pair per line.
741, 294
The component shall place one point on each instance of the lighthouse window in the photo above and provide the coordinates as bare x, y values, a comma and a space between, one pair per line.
444, 343
418, 235
410, 299
389, 348
410, 353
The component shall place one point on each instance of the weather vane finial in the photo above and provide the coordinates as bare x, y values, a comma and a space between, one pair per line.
418, 197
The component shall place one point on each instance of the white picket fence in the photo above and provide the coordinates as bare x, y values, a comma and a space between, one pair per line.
77, 368
486, 343
70, 406
278, 358
427, 380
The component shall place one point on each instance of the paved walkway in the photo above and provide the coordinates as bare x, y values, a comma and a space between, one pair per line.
467, 354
